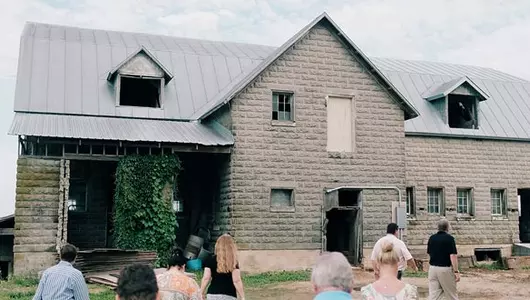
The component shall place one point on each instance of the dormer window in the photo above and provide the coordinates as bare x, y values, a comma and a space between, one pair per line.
457, 101
139, 80
137, 91
462, 111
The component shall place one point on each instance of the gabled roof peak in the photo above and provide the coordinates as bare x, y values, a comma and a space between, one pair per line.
439, 90
167, 74
223, 98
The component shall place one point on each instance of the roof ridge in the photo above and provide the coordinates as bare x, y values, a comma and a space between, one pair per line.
373, 58
28, 23
432, 62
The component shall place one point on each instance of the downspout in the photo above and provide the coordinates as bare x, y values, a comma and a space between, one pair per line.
371, 187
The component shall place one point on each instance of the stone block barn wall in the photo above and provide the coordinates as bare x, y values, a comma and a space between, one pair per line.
465, 163
36, 215
266, 155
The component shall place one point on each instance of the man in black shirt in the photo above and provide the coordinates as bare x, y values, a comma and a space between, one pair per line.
443, 270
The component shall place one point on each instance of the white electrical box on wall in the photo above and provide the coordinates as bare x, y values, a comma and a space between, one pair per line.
401, 217
519, 204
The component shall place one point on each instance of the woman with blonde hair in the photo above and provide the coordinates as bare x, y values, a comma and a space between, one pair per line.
222, 269
388, 286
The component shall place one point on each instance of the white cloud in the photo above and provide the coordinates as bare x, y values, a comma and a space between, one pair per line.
491, 33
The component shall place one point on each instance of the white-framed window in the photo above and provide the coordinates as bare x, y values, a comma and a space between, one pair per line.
498, 202
464, 201
434, 200
282, 106
411, 204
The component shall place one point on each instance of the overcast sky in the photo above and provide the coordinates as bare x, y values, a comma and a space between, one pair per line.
490, 33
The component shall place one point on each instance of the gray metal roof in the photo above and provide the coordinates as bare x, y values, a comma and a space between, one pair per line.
504, 115
437, 91
64, 70
325, 19
120, 129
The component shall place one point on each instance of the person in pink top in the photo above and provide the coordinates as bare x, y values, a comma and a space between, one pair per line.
399, 246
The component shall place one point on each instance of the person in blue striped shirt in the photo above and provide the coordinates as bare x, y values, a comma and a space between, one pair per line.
63, 281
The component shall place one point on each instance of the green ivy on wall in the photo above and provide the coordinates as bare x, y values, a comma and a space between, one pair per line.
144, 218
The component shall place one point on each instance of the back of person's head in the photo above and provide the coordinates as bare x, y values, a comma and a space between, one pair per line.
388, 256
177, 259
226, 254
443, 225
68, 253
332, 271
392, 228
137, 282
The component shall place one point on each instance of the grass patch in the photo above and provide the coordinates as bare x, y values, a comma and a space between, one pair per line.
18, 288
418, 274
495, 266
526, 268
24, 281
258, 280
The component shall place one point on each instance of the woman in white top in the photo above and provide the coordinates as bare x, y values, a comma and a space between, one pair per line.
388, 286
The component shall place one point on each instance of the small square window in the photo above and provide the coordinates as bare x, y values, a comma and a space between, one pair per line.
282, 198
434, 200
282, 106
411, 207
498, 202
77, 197
464, 202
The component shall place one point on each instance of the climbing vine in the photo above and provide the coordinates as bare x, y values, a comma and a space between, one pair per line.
144, 218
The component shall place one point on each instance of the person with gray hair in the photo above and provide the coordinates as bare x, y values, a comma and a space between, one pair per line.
443, 269
332, 277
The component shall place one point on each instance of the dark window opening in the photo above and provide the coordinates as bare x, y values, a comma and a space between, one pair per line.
97, 149
462, 111
70, 148
282, 107
349, 197
488, 254
111, 150
411, 207
140, 92
84, 149
55, 150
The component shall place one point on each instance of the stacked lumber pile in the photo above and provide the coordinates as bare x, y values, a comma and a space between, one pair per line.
111, 278
98, 261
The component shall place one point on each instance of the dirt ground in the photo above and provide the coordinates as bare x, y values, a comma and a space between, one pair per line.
474, 284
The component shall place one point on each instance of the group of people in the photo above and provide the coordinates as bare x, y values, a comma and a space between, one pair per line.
331, 278
221, 279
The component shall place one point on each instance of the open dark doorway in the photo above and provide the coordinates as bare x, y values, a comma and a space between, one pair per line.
344, 226
524, 215
90, 204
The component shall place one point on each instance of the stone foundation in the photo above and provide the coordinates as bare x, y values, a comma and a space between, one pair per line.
36, 215
259, 261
